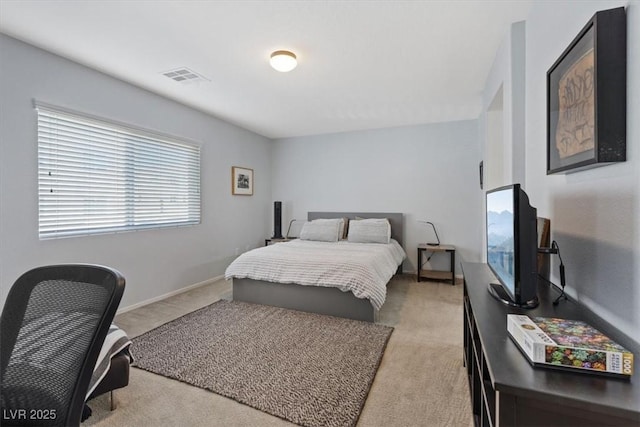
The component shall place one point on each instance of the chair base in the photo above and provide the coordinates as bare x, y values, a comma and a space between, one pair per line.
117, 377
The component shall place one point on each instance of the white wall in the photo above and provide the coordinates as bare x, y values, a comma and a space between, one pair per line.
494, 159
595, 214
505, 83
154, 262
428, 172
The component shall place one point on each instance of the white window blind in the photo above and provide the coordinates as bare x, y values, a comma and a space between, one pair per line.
95, 176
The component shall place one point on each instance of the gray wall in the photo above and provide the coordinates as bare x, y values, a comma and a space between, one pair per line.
595, 214
428, 172
506, 78
154, 262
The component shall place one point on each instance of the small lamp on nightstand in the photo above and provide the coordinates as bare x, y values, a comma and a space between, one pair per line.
289, 229
296, 229
434, 231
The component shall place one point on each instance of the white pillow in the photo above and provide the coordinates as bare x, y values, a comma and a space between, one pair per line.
372, 230
322, 230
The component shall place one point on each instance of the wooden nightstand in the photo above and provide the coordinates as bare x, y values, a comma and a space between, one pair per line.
437, 274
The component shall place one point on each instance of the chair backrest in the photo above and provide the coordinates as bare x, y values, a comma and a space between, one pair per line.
53, 325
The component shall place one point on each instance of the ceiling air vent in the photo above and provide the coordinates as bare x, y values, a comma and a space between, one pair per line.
184, 75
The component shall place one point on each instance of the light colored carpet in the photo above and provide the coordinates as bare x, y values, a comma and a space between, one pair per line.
313, 370
421, 380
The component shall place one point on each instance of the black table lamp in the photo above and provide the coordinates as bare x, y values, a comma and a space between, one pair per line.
288, 235
434, 231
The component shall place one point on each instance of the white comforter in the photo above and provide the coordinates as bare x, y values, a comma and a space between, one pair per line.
362, 268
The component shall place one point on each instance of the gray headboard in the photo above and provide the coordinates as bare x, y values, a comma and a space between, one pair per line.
396, 219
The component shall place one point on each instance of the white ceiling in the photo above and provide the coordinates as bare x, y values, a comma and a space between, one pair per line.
361, 64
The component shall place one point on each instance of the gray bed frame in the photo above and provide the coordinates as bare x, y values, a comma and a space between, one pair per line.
317, 299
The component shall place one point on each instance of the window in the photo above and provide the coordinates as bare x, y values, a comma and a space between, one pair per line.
96, 176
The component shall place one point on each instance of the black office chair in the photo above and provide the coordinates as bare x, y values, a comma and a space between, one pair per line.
53, 325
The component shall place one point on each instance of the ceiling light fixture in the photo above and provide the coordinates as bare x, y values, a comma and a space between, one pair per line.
283, 61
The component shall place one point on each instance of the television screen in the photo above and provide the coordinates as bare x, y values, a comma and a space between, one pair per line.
512, 246
500, 236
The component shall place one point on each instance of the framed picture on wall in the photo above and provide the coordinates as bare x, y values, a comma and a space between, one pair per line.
241, 181
586, 97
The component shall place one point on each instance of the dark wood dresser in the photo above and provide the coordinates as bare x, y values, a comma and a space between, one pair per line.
508, 391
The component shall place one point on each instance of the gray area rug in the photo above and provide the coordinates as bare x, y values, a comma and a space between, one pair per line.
309, 369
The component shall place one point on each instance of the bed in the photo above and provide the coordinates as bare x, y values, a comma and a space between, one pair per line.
317, 299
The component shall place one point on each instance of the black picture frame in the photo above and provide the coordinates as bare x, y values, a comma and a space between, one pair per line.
586, 97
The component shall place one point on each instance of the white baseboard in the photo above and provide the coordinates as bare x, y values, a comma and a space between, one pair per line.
167, 295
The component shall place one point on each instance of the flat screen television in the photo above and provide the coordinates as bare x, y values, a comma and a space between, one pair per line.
512, 246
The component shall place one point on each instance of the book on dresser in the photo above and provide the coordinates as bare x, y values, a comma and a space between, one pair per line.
568, 344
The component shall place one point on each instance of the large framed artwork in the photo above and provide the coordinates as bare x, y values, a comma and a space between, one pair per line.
241, 181
586, 97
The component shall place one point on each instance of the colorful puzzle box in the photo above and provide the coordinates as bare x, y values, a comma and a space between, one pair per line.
568, 344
